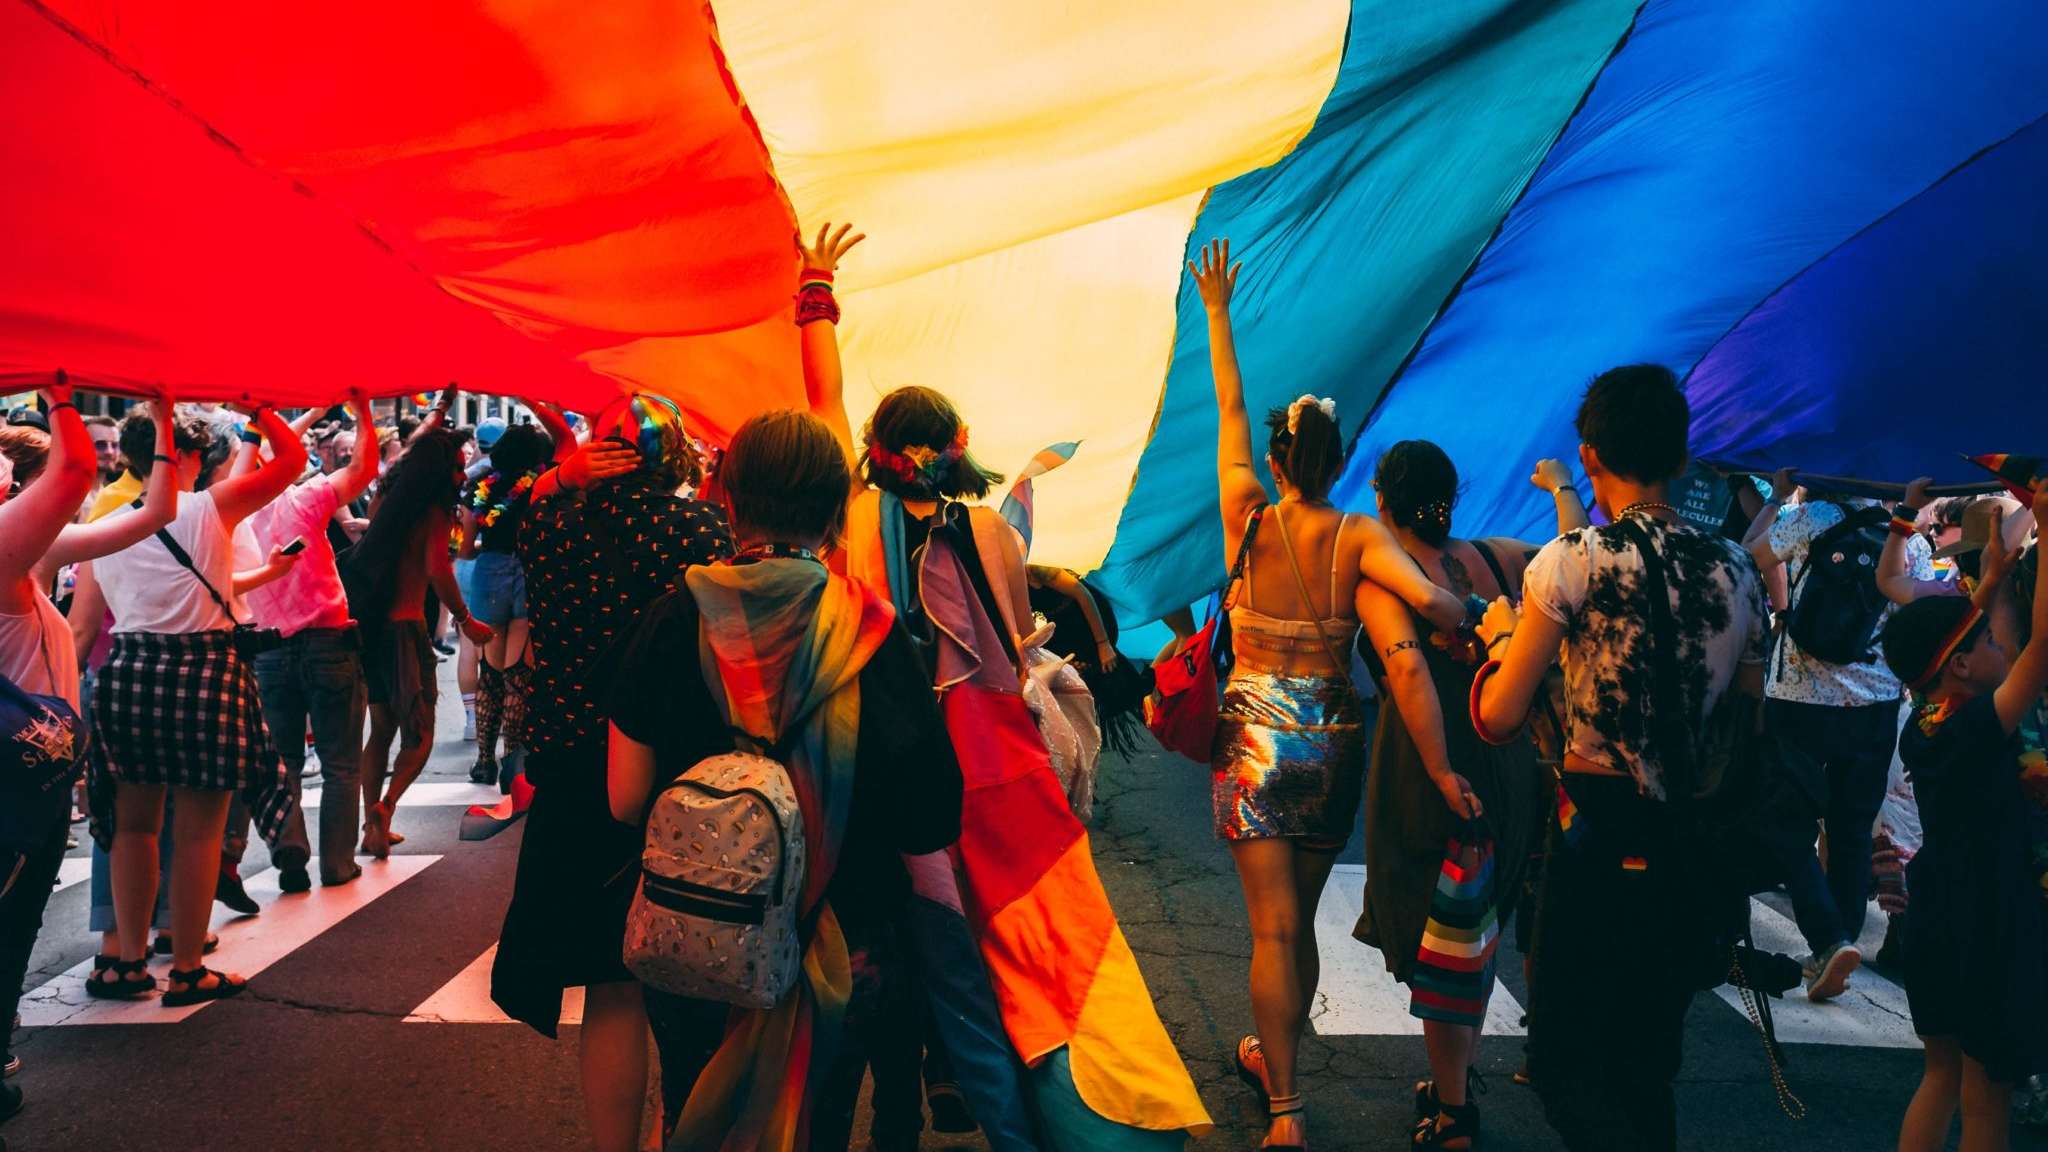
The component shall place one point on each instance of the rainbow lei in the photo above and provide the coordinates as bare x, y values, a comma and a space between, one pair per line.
918, 465
488, 510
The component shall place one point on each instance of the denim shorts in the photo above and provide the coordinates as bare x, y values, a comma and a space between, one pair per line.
496, 591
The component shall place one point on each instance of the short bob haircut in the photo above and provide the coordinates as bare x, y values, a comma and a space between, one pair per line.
919, 418
785, 474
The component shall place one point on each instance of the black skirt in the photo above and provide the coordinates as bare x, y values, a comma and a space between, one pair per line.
578, 867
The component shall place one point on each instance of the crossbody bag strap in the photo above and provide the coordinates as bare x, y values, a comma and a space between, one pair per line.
1676, 758
178, 553
1500, 576
1343, 665
1242, 564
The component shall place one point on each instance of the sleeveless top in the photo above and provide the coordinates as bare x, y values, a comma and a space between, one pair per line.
1280, 636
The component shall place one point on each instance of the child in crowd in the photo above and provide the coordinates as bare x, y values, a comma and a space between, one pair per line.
1975, 950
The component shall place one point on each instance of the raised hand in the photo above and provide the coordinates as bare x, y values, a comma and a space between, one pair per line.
1500, 620
58, 391
1916, 494
1550, 475
830, 248
1215, 276
1783, 481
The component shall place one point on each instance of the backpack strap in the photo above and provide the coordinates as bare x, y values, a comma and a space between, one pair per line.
1675, 750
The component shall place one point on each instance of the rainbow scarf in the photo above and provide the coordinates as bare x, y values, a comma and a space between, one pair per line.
787, 642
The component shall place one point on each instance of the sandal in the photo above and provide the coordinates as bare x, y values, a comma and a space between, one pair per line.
116, 979
1276, 1108
1453, 1122
1426, 1102
1249, 1049
162, 947
195, 992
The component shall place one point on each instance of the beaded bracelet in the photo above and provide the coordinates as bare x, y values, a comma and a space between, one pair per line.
815, 302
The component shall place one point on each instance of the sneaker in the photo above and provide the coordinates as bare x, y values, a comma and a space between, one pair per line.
294, 880
11, 1067
228, 891
444, 648
1831, 969
949, 1109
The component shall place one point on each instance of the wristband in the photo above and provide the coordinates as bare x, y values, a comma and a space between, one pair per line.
815, 302
53, 409
161, 458
1902, 526
1498, 639
250, 435
1561, 489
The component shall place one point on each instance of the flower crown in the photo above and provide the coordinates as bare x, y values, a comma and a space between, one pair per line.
1328, 406
919, 467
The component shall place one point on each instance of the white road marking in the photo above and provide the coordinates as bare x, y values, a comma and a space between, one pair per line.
248, 945
431, 794
1357, 995
1871, 1014
74, 870
467, 999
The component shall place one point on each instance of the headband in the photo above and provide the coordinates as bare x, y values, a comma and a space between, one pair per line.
1956, 637
1328, 406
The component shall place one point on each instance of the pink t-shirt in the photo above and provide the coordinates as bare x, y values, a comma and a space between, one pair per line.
310, 595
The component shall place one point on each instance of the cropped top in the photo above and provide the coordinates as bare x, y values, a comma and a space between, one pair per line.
1282, 637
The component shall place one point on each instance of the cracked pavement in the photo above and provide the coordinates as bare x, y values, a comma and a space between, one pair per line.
319, 1053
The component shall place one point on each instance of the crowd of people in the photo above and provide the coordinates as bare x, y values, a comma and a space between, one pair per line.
805, 786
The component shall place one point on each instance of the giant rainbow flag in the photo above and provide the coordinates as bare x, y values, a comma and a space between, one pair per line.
1452, 214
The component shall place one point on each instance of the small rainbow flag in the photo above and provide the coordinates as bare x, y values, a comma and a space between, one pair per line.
1017, 506
2018, 472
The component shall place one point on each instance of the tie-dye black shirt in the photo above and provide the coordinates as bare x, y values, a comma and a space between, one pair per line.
1591, 581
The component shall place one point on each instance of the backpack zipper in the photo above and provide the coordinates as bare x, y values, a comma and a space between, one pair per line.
781, 838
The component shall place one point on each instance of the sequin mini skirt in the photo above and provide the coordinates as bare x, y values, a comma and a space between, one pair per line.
1289, 759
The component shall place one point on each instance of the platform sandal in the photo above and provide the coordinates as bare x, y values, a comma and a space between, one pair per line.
162, 947
1249, 1048
1426, 1102
1276, 1108
1452, 1122
193, 992
116, 979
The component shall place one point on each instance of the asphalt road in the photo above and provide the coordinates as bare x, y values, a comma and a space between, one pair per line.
367, 1026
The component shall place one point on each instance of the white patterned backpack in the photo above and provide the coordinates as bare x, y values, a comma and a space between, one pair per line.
722, 878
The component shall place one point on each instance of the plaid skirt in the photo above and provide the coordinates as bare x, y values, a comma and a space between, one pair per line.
182, 710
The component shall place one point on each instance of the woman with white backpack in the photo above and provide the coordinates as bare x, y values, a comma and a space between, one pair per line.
815, 705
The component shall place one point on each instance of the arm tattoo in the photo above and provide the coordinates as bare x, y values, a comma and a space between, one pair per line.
1401, 646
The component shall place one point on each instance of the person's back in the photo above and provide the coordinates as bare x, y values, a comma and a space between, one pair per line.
1273, 628
149, 590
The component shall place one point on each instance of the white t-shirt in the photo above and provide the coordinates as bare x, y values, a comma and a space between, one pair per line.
36, 651
1798, 677
148, 591
1591, 581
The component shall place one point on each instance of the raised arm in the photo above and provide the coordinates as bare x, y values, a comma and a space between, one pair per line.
586, 464
1392, 632
817, 317
555, 425
1237, 476
1893, 579
436, 418
2023, 686
237, 497
32, 520
361, 472
1554, 477
109, 534
1758, 538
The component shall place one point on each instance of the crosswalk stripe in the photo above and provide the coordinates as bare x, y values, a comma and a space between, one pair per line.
247, 945
467, 999
1871, 1014
430, 794
1357, 995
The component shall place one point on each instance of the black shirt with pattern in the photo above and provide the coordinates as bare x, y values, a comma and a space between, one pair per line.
591, 566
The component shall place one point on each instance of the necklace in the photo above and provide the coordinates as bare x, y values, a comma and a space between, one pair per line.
774, 551
1648, 506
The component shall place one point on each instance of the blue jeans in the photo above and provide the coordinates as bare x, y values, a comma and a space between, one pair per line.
316, 678
1853, 748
